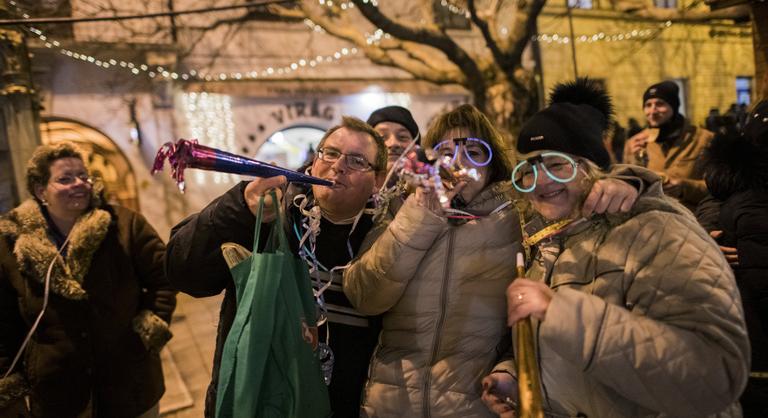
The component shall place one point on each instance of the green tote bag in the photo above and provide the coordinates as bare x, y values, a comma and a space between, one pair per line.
268, 367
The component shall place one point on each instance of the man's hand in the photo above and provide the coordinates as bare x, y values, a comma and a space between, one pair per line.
637, 143
260, 187
609, 196
729, 252
497, 387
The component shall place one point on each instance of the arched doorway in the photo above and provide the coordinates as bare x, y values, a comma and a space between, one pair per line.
291, 147
104, 158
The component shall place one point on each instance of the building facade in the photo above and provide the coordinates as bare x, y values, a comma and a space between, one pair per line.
269, 88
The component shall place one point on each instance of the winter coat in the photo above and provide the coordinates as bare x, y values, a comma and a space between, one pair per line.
441, 288
87, 353
679, 157
195, 265
646, 319
737, 173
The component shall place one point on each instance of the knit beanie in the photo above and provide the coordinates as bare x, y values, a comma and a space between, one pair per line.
396, 114
574, 122
667, 91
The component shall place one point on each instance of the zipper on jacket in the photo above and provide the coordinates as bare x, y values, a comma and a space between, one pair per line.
426, 413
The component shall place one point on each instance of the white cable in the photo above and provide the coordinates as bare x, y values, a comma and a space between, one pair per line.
46, 291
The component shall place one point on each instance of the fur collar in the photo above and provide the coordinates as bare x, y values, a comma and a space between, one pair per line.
27, 227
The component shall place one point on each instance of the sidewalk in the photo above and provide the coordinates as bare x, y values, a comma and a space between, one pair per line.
188, 357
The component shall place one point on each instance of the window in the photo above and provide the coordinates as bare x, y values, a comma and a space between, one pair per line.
665, 4
682, 83
580, 4
743, 90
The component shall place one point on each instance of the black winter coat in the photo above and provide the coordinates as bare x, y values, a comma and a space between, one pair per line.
737, 175
195, 265
86, 357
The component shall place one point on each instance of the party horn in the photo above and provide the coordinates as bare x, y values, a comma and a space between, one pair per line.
184, 154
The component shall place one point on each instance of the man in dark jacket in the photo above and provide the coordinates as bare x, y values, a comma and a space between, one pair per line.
353, 155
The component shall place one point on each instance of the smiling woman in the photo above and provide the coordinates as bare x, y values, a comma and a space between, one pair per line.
84, 303
629, 306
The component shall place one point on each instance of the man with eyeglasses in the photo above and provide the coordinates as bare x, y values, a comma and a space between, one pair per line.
328, 223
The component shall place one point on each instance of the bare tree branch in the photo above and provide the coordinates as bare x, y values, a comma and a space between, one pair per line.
423, 35
523, 29
475, 81
491, 40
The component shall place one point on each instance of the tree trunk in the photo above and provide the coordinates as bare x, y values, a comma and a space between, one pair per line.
508, 104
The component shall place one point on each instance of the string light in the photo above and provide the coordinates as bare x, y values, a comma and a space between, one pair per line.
370, 38
602, 36
160, 72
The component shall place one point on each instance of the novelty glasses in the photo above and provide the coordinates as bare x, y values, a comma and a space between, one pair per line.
558, 166
476, 151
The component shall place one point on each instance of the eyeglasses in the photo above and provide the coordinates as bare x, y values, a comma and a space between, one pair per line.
558, 166
354, 161
67, 180
476, 151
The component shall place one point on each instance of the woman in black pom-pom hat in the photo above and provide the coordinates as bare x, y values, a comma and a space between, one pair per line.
638, 313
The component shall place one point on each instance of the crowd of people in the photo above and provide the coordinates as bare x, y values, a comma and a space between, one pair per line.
639, 307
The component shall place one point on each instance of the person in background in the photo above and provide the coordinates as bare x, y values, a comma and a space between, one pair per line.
438, 276
671, 145
398, 128
635, 314
614, 139
712, 121
633, 127
736, 173
351, 154
92, 274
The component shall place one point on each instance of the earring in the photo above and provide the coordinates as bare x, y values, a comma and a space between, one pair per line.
44, 202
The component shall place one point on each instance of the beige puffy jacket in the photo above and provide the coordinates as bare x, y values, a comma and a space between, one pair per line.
441, 289
646, 320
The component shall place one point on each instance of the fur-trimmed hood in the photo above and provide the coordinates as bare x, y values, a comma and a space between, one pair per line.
735, 164
26, 227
